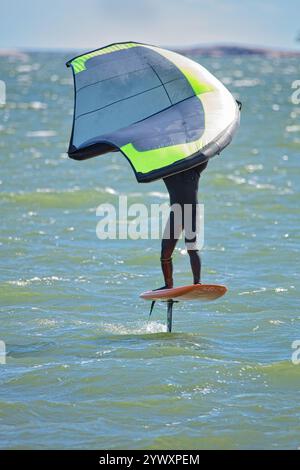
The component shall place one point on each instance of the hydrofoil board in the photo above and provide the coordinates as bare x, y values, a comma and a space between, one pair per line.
192, 292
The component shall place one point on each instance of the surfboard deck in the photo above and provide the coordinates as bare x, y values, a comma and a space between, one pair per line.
192, 292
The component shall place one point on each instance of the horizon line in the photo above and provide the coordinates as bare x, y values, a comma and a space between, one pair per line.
176, 47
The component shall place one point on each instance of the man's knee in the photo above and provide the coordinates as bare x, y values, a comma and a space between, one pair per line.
193, 252
167, 249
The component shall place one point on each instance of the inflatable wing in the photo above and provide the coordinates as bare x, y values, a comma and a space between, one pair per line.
163, 111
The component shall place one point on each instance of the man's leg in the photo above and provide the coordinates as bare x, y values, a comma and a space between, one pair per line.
167, 265
195, 261
191, 238
170, 238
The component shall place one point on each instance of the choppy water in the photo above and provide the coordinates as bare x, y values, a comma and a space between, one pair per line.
85, 369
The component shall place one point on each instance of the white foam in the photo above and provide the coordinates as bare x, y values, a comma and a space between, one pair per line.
139, 328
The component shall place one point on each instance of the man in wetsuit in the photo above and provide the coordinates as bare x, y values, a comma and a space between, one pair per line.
183, 191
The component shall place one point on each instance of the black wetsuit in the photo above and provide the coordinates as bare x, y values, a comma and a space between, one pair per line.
183, 190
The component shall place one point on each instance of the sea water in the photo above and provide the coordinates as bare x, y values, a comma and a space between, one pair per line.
83, 367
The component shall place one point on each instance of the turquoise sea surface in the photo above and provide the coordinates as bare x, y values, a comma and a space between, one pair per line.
84, 366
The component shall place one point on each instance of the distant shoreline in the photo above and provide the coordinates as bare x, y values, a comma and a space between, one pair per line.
222, 50
208, 51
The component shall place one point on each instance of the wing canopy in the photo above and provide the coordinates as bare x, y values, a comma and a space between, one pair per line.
164, 112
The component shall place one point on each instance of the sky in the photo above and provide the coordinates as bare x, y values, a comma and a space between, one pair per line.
88, 24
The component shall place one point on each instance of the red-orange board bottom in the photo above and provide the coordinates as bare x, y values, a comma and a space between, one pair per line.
193, 292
